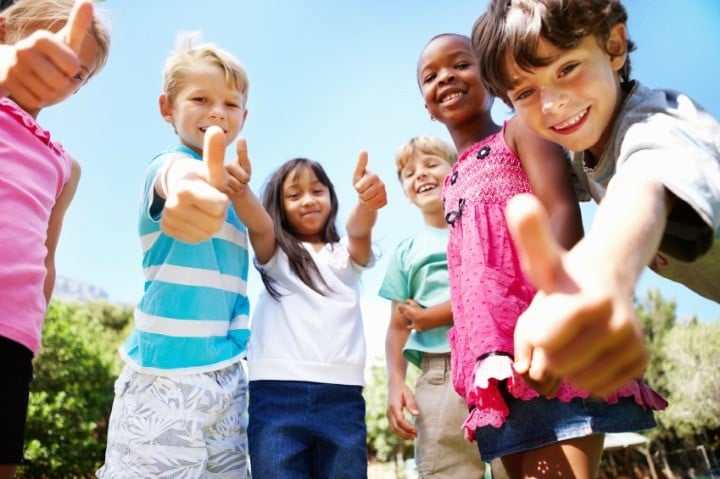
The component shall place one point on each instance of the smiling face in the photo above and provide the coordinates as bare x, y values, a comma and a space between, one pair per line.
450, 81
306, 203
205, 99
573, 100
422, 178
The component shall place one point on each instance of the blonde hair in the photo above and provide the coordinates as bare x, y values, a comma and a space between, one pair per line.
26, 16
186, 57
429, 145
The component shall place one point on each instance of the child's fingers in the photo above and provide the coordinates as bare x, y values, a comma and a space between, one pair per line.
539, 251
360, 167
242, 157
214, 157
78, 24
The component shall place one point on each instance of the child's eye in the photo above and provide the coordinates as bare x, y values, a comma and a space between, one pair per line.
462, 65
565, 70
199, 99
429, 78
524, 94
232, 105
78, 78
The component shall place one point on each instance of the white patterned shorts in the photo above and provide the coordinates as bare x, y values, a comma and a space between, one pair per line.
190, 426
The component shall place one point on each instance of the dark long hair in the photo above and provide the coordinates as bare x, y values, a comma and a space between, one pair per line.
301, 263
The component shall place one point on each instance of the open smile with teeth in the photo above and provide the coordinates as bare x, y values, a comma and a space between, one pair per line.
450, 97
425, 188
572, 121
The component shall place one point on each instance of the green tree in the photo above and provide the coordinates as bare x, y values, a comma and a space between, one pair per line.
657, 316
72, 390
692, 356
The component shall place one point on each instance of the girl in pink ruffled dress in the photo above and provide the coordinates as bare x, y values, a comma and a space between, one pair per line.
49, 49
537, 428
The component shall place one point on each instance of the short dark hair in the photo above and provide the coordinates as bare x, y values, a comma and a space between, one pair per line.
513, 29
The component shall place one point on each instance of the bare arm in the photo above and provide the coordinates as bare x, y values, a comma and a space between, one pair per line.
400, 396
581, 323
547, 169
195, 206
248, 207
372, 196
55, 226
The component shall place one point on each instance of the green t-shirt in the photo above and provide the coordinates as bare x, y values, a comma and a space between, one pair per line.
418, 270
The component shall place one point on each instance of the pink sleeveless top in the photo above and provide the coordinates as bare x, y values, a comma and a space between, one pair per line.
488, 288
33, 171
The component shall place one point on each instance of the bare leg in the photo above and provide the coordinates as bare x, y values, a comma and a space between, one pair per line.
575, 458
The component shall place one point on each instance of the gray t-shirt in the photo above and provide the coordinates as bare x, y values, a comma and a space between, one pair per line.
666, 135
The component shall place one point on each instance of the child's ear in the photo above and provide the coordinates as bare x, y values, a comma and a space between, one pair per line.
165, 108
616, 46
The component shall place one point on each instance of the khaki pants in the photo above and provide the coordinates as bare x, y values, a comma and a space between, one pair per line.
441, 450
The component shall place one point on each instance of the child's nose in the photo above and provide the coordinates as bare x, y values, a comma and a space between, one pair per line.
552, 100
217, 111
447, 75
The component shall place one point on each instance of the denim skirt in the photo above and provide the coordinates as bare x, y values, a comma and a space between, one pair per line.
540, 421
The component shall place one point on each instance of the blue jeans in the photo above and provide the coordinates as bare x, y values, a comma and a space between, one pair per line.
300, 429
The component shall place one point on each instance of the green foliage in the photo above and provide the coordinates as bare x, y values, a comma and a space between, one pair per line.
657, 316
692, 355
72, 390
382, 443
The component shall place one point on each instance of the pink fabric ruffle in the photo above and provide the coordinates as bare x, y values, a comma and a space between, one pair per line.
25, 119
489, 408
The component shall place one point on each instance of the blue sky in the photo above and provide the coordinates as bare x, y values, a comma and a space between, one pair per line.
327, 79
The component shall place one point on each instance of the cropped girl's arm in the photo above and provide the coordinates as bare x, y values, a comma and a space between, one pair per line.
547, 169
372, 196
55, 225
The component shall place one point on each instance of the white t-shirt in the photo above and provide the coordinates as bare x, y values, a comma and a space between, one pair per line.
304, 335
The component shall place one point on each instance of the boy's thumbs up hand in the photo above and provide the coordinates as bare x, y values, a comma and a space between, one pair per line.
369, 187
196, 207
578, 325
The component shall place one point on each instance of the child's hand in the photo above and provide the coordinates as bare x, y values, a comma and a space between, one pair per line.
37, 68
413, 312
196, 208
239, 172
581, 324
400, 397
370, 188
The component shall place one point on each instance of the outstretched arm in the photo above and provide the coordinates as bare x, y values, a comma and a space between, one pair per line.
248, 207
400, 396
372, 196
581, 323
195, 206
55, 226
36, 68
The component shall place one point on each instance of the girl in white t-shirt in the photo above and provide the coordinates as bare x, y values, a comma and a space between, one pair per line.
307, 349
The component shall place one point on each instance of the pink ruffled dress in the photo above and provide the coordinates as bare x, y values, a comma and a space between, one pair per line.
488, 288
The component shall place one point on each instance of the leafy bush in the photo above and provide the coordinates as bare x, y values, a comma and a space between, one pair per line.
72, 391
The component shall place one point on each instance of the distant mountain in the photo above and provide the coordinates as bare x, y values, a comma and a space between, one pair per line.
67, 289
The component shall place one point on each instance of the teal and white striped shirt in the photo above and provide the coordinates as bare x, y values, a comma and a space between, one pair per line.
193, 316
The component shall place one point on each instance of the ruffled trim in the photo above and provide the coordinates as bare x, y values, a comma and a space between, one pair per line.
488, 407
25, 119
